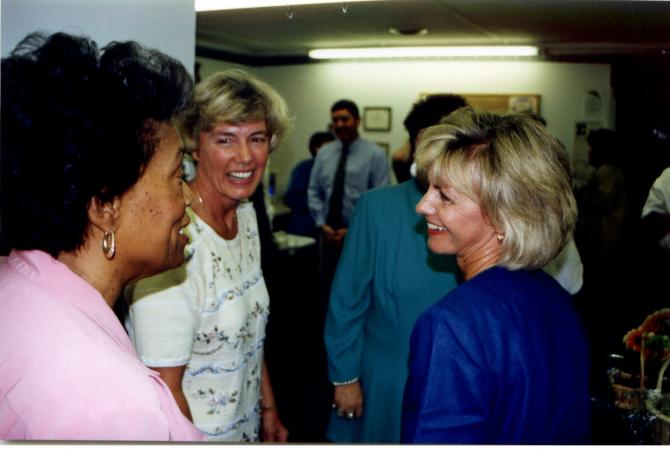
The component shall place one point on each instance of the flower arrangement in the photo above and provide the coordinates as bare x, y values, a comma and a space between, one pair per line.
651, 339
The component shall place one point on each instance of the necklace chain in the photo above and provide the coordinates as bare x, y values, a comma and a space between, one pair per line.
230, 251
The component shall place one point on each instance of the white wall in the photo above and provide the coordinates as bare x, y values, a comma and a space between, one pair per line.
167, 25
209, 66
311, 89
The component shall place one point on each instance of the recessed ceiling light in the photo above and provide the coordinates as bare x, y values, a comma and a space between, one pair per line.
409, 31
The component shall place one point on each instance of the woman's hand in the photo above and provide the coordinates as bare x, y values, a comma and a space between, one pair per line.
349, 399
273, 429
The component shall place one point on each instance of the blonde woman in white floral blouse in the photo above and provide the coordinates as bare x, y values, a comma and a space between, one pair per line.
202, 325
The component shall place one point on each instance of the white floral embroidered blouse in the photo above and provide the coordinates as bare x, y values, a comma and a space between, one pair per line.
210, 315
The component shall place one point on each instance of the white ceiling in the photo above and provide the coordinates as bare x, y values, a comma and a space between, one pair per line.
583, 30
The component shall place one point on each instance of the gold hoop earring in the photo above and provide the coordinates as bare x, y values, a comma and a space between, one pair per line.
109, 245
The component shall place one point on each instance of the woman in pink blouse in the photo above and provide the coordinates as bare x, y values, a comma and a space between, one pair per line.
92, 199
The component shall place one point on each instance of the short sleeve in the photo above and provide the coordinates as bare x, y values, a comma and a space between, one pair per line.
658, 200
163, 318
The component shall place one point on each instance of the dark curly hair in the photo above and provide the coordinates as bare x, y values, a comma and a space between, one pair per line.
428, 111
78, 123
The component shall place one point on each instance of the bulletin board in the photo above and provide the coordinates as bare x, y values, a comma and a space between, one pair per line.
501, 103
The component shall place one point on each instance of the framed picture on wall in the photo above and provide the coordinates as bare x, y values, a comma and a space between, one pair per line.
377, 119
524, 104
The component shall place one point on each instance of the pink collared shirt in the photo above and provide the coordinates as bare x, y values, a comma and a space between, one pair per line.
67, 368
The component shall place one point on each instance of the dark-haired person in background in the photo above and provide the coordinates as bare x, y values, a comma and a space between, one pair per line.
422, 115
603, 238
92, 199
301, 221
603, 201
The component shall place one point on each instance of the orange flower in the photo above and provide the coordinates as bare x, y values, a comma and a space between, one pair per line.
654, 332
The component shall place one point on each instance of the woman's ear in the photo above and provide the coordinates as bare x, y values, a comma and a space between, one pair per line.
104, 215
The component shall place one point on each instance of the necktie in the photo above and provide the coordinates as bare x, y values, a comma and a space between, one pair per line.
334, 218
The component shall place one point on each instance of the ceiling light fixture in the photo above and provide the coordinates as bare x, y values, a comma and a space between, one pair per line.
409, 31
218, 5
425, 52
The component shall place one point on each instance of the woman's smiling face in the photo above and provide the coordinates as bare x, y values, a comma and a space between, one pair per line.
456, 224
149, 236
232, 158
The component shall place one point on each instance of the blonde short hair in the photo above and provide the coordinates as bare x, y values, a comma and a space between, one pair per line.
234, 96
515, 170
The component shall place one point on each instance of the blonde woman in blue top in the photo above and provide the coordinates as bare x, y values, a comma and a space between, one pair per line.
502, 358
